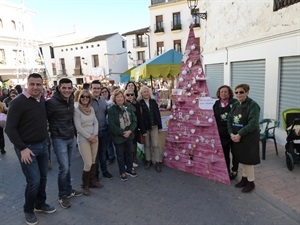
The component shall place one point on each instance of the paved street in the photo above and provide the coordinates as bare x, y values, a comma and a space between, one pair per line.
170, 198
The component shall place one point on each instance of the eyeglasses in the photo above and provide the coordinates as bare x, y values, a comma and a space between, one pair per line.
129, 95
83, 96
239, 92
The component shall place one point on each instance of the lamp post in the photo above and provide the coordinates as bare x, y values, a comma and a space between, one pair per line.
192, 4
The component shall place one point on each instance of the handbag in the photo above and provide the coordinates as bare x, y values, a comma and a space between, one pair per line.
3, 117
140, 138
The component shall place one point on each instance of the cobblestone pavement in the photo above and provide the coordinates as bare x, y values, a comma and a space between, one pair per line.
170, 198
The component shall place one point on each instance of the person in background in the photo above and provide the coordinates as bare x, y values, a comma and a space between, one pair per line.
86, 125
76, 97
4, 94
60, 113
100, 107
140, 129
26, 127
131, 85
86, 86
19, 88
243, 127
3, 109
221, 109
12, 94
110, 146
153, 126
122, 124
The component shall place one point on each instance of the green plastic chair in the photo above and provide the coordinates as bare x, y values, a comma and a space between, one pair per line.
268, 132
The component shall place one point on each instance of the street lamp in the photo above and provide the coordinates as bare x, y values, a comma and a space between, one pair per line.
192, 4
130, 55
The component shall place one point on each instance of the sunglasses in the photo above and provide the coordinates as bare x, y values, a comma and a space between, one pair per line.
83, 96
129, 95
239, 92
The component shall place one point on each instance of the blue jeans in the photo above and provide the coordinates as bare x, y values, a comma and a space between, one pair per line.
36, 176
63, 150
124, 155
103, 136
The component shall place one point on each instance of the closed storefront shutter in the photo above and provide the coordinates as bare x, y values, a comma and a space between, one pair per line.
215, 77
253, 74
289, 95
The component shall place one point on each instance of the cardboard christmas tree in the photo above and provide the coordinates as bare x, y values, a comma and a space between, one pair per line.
193, 144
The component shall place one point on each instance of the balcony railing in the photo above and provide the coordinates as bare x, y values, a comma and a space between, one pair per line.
176, 26
159, 27
77, 71
137, 43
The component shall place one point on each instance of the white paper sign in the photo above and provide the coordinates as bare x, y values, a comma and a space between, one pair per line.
165, 122
206, 102
177, 91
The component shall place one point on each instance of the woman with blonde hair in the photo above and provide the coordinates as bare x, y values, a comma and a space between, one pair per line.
122, 124
86, 125
152, 124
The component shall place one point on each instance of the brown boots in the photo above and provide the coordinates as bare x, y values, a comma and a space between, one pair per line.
93, 179
158, 167
86, 182
247, 186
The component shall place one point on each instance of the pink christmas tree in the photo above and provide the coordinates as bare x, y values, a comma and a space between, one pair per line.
193, 144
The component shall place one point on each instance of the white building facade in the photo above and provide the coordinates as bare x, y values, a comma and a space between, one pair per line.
102, 57
254, 42
19, 52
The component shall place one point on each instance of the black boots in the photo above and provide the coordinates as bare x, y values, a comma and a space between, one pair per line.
93, 180
3, 151
233, 175
242, 183
247, 186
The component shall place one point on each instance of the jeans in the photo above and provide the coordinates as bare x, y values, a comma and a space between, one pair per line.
36, 176
124, 155
63, 150
103, 136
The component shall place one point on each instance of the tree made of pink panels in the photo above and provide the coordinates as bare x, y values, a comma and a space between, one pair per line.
193, 144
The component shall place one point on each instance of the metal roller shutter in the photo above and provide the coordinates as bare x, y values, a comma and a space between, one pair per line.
215, 77
289, 96
253, 74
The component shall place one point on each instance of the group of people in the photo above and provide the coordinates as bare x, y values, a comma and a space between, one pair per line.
94, 121
238, 125
109, 125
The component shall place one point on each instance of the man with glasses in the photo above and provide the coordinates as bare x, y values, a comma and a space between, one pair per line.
60, 112
26, 128
100, 107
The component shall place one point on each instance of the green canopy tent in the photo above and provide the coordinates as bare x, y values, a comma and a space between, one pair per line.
166, 65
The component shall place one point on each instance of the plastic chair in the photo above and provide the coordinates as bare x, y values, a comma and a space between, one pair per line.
269, 126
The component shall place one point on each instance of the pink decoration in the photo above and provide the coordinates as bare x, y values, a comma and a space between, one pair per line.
193, 144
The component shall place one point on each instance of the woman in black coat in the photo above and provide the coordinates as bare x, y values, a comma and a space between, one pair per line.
152, 123
221, 109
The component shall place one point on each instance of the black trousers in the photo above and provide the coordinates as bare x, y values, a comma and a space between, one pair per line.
2, 141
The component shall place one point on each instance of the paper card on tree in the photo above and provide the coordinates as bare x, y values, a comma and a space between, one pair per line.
206, 102
177, 92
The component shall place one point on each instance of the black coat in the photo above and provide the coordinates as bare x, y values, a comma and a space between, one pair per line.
147, 114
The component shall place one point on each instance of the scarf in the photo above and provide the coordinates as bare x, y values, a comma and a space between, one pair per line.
85, 110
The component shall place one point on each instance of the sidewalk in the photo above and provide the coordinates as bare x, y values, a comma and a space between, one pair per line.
273, 177
170, 198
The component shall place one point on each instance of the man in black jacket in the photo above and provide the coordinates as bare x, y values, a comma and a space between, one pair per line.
60, 112
26, 127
